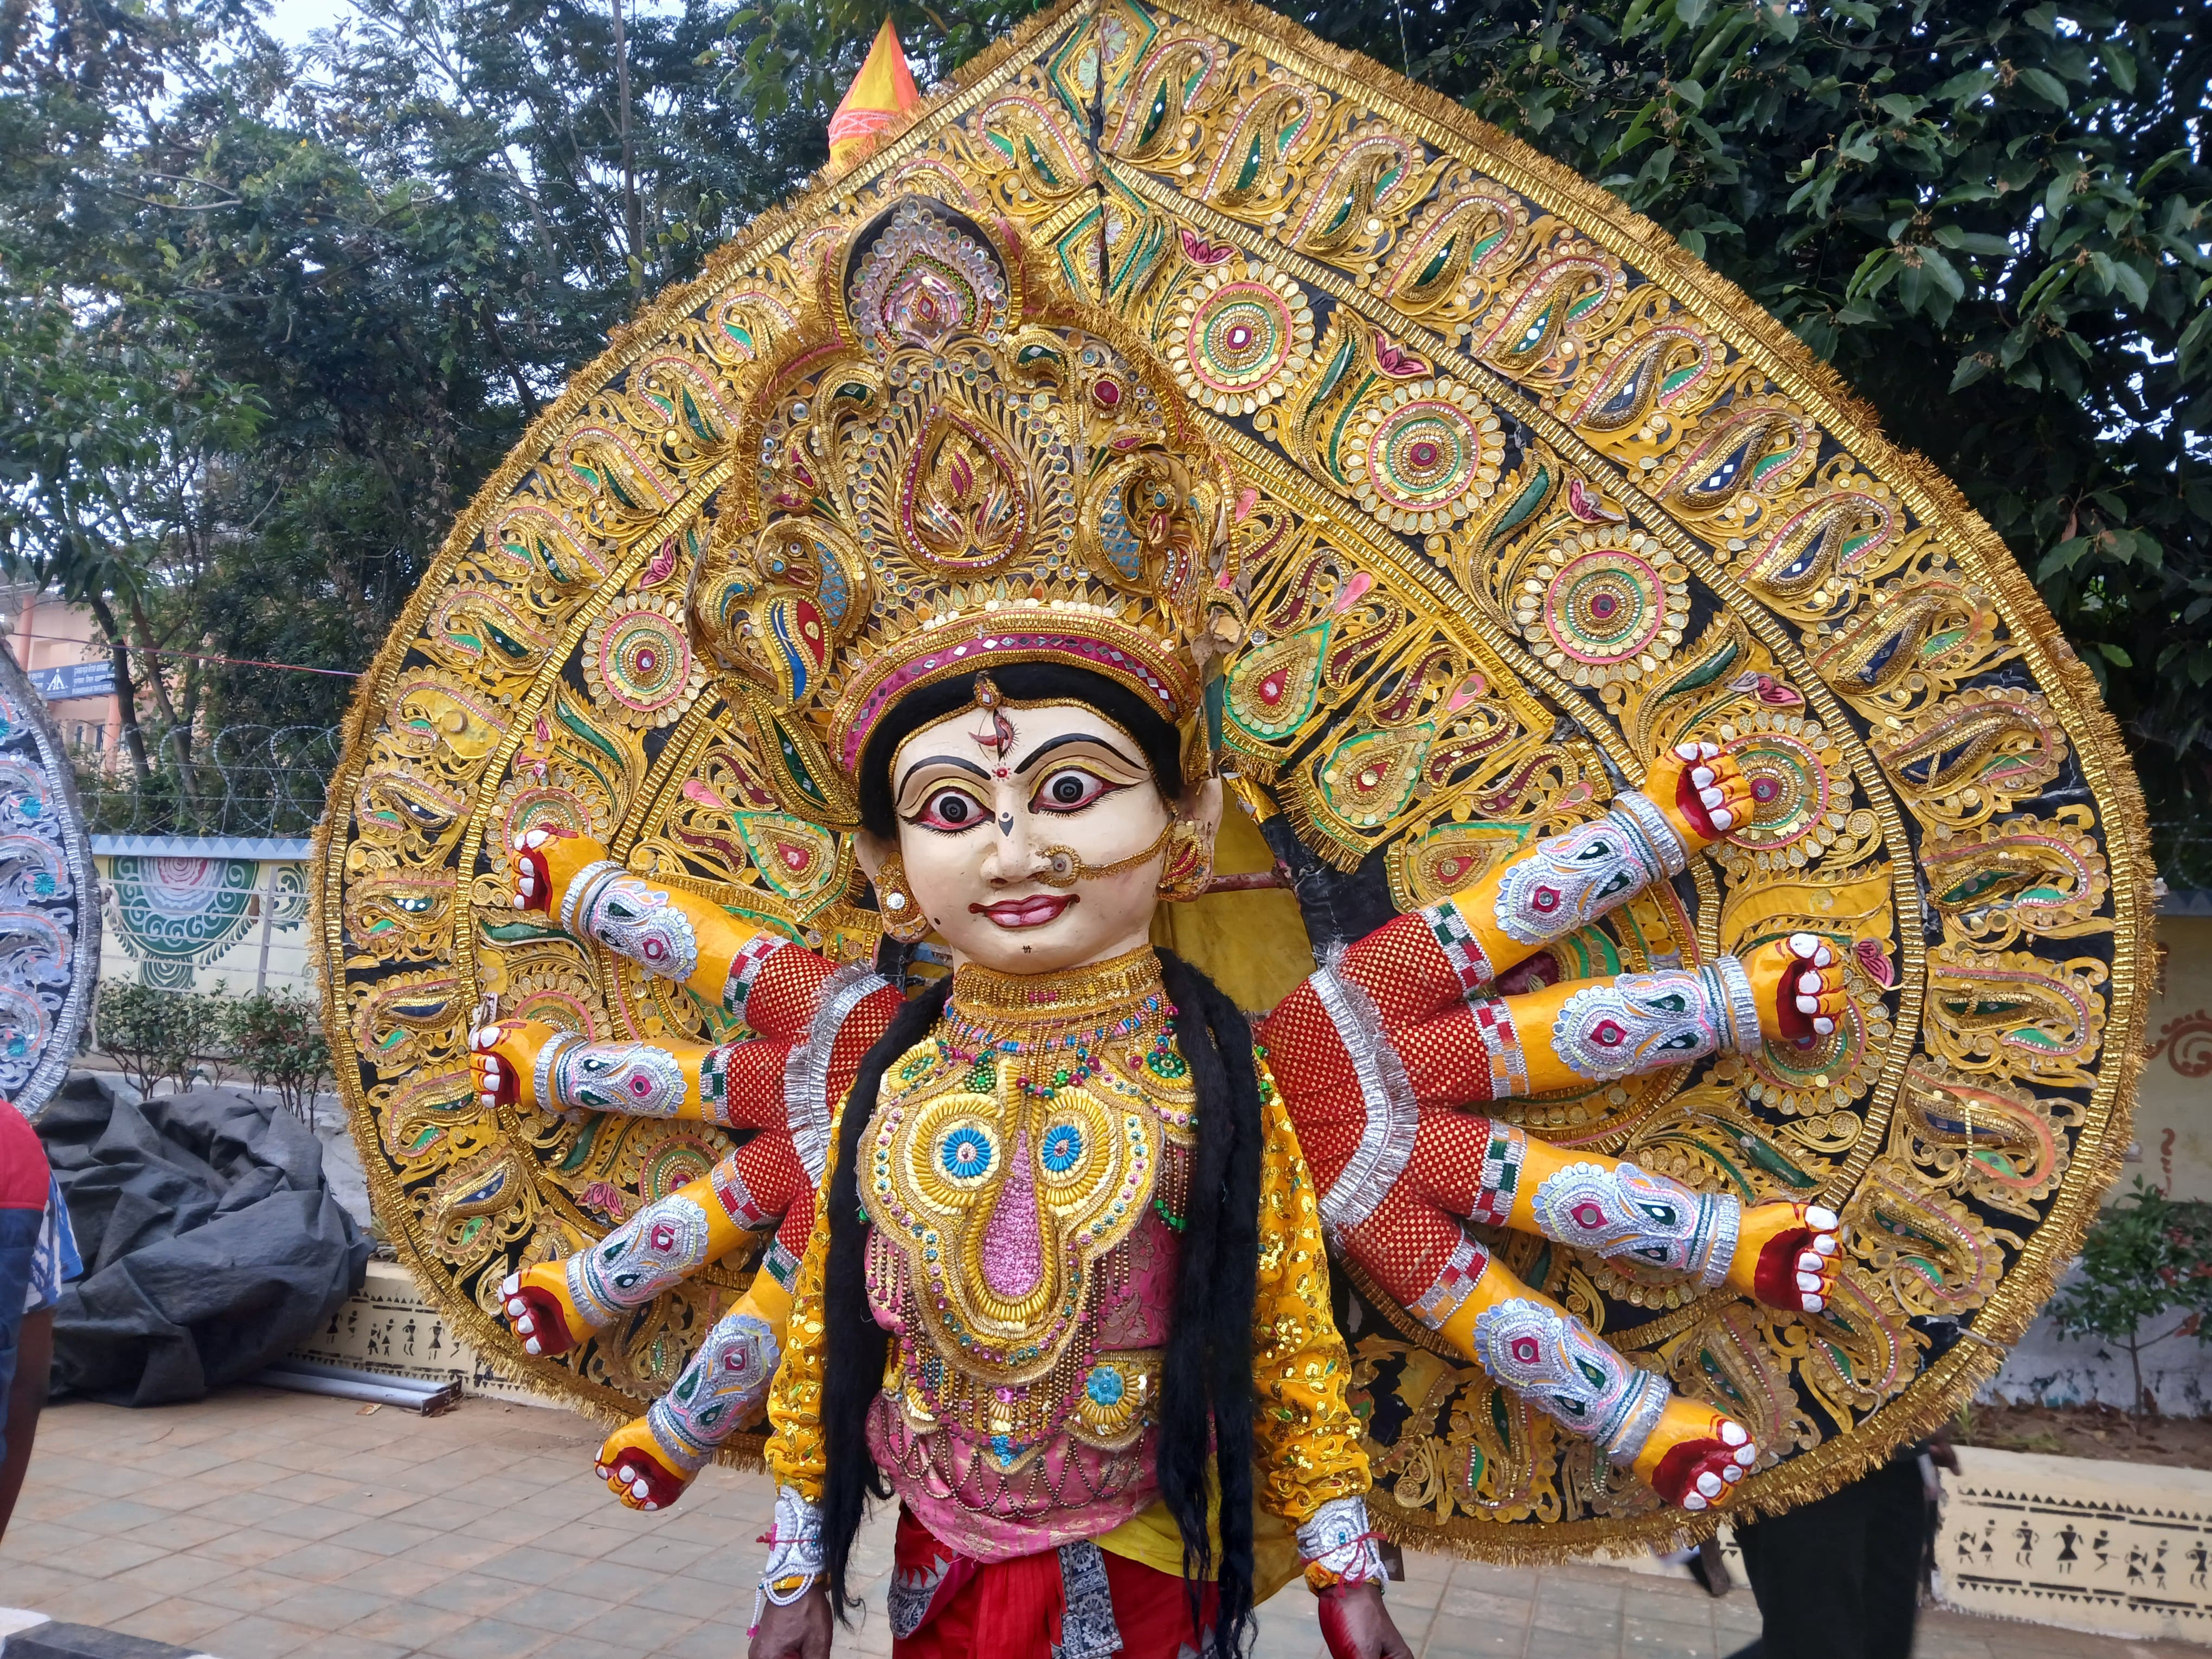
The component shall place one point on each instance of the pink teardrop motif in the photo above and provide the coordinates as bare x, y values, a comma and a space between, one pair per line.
1013, 1250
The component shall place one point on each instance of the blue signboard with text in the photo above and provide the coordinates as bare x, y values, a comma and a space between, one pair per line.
76, 679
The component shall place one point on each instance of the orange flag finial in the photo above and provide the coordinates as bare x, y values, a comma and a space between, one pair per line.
882, 95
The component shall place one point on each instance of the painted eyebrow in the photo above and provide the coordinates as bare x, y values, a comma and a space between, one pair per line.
1050, 745
908, 776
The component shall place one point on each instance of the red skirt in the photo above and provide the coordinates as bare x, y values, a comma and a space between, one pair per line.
1078, 1599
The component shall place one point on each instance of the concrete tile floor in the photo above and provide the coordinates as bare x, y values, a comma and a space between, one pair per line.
258, 1525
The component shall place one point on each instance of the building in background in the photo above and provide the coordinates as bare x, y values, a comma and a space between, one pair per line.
60, 647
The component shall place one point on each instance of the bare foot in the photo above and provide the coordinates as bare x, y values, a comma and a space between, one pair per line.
1798, 982
1696, 1455
1703, 791
1786, 1256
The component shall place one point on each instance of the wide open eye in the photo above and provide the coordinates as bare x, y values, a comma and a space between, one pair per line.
1069, 789
951, 809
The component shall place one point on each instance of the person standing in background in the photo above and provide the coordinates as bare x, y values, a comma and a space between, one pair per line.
38, 1256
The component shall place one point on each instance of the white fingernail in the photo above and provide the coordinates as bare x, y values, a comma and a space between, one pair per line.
1807, 1262
1731, 1474
652, 1506
628, 1473
523, 1324
1685, 751
1803, 944
1807, 1005
1734, 1434
488, 1101
1823, 957
1809, 1281
1710, 1485
1814, 1304
1823, 1025
1826, 1220
1691, 1501
1824, 1244
1747, 1454
531, 1346
510, 1285
1701, 775
1711, 797
519, 902
535, 838
1707, 752
1723, 818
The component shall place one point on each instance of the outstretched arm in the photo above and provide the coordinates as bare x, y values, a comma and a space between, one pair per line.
665, 930
1693, 796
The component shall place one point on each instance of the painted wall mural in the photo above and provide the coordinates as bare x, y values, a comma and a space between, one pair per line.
189, 914
2173, 1103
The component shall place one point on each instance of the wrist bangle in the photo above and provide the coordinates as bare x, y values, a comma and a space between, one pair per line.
579, 886
1338, 1546
1655, 829
794, 1553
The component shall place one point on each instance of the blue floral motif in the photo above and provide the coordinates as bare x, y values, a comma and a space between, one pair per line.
1063, 1146
966, 1153
1105, 1387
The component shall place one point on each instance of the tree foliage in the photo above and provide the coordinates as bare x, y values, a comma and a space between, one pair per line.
323, 292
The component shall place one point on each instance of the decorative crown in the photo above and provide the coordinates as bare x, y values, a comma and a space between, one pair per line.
953, 465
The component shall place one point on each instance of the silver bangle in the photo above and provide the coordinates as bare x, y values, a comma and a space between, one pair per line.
1339, 1540
794, 1564
1739, 1006
541, 1075
589, 877
1654, 829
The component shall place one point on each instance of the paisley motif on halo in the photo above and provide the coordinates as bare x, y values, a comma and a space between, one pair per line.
1424, 456
638, 662
1238, 341
923, 280
1601, 606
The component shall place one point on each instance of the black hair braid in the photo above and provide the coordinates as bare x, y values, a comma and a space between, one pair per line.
855, 1347
1207, 1378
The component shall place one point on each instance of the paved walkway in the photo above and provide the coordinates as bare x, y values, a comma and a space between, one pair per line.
257, 1525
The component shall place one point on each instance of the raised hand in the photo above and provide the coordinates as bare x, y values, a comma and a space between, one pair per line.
1695, 1456
1701, 789
1786, 1256
1798, 982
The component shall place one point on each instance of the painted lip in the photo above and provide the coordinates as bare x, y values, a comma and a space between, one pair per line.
1031, 912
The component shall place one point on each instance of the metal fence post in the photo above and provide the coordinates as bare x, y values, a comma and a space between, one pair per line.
266, 896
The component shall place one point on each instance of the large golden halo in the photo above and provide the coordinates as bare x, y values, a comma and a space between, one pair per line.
1532, 492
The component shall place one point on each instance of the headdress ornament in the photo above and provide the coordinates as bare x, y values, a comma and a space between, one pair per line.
956, 469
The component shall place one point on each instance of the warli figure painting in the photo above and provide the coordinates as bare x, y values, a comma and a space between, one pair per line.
1566, 643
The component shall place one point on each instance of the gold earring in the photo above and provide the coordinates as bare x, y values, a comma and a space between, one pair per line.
903, 917
1188, 869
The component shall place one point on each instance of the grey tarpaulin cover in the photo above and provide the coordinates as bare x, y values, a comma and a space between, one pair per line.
211, 1243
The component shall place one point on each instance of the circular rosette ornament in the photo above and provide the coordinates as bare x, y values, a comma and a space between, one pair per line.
1602, 607
639, 664
1801, 788
1425, 455
1239, 341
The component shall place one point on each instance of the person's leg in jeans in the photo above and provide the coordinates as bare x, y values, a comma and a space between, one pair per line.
1896, 1539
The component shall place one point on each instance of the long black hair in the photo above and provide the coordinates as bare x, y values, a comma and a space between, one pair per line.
1206, 1383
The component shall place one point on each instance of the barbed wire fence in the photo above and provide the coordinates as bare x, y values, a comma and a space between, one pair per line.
242, 781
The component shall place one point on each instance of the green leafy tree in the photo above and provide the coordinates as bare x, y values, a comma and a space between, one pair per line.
276, 1039
2147, 1259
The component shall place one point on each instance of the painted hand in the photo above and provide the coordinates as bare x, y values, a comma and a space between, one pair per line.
1356, 1624
1695, 1456
1798, 982
503, 1059
545, 861
631, 1463
1702, 791
539, 1306
1786, 1256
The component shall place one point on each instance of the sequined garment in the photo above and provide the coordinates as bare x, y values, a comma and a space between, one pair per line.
1025, 1174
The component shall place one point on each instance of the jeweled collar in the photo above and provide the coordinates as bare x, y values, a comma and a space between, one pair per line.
1034, 1011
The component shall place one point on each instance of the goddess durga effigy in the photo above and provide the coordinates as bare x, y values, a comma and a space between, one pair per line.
999, 575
